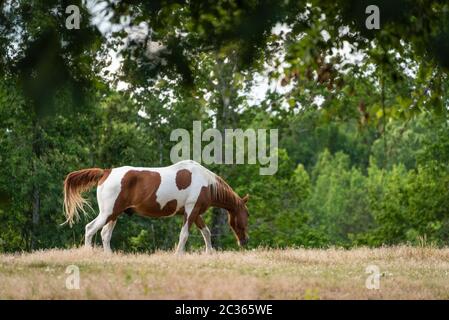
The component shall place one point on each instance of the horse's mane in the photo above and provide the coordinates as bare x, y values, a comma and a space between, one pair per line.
223, 194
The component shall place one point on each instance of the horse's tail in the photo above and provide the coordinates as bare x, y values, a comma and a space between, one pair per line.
76, 183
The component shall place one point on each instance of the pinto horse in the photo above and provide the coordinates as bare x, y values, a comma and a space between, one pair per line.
185, 188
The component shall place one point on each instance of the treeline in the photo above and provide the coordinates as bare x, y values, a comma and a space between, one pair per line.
337, 183
362, 114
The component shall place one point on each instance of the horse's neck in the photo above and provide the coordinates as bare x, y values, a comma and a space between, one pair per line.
224, 197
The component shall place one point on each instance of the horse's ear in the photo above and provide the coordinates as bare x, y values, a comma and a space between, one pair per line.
245, 198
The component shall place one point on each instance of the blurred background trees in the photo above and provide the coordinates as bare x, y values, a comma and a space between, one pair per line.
362, 114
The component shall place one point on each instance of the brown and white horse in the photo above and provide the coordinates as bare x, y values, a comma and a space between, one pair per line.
185, 188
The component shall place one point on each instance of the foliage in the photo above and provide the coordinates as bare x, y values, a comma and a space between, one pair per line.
362, 114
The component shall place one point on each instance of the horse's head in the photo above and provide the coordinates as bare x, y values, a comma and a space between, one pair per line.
238, 220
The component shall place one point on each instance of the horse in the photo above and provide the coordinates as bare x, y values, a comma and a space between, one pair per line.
184, 188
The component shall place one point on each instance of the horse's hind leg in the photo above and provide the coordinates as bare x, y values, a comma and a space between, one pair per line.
106, 234
205, 232
92, 228
97, 223
106, 209
89, 234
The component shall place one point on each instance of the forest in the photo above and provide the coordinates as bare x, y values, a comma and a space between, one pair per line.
362, 114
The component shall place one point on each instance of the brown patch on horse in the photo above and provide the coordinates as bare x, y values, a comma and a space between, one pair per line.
138, 194
106, 173
202, 203
204, 199
181, 211
200, 223
183, 179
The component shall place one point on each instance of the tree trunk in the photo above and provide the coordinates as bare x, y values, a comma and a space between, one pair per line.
35, 194
35, 215
218, 226
224, 114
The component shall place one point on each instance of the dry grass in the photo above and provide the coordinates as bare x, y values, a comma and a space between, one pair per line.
407, 273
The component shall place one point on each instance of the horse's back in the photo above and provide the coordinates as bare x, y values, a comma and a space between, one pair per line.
196, 170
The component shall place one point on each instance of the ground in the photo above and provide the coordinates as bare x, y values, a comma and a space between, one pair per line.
405, 273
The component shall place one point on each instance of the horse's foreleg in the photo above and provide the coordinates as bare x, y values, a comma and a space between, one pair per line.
189, 217
205, 232
106, 234
183, 236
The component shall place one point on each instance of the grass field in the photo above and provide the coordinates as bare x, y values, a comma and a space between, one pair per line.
406, 273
